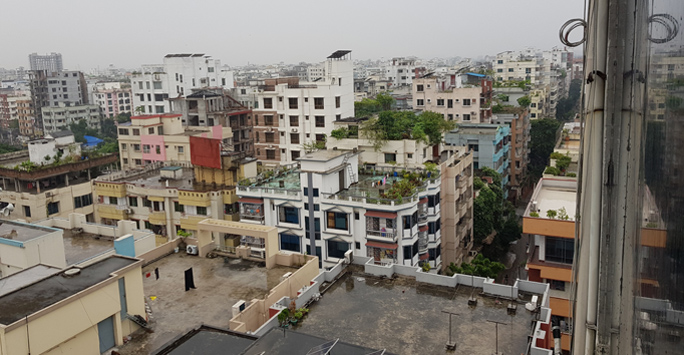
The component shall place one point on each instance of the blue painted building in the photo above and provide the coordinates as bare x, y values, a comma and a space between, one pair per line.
490, 144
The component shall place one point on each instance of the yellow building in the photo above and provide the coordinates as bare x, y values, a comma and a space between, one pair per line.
85, 309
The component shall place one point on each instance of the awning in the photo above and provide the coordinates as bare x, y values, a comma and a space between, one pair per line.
424, 256
382, 245
155, 198
423, 228
380, 214
257, 201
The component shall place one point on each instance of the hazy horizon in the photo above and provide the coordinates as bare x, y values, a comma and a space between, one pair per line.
274, 32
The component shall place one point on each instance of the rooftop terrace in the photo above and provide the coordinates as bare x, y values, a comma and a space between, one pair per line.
405, 317
554, 194
82, 246
22, 232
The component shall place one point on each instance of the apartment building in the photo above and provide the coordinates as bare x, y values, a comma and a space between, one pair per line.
490, 145
59, 118
463, 98
52, 63
159, 138
103, 303
67, 88
23, 246
400, 71
291, 114
511, 65
518, 119
213, 106
176, 77
27, 118
113, 99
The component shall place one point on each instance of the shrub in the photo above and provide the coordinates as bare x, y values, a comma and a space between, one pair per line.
551, 170
551, 214
571, 175
534, 214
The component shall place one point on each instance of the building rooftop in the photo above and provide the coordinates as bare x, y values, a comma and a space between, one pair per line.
322, 155
554, 194
153, 179
283, 342
22, 232
405, 317
25, 277
53, 289
220, 284
82, 246
208, 340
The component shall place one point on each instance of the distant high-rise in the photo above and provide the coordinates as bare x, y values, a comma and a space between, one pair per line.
51, 62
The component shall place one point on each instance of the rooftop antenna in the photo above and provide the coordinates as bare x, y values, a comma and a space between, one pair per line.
450, 345
496, 323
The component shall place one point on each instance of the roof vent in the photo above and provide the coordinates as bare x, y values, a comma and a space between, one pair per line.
71, 272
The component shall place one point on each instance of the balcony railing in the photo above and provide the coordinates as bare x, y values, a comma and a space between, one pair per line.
226, 249
389, 234
259, 217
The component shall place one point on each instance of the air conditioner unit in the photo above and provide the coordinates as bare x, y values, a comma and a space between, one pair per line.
129, 211
294, 130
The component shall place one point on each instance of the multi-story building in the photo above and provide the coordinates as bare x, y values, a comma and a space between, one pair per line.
291, 114
113, 99
60, 117
539, 104
315, 73
159, 138
39, 94
518, 119
68, 88
211, 107
179, 74
490, 145
27, 118
400, 71
510, 65
458, 97
52, 63
56, 144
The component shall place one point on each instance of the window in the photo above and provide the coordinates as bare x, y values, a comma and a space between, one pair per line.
357, 245
337, 249
499, 71
356, 216
133, 201
420, 102
113, 200
500, 61
466, 102
146, 148
27, 211
433, 227
510, 70
157, 85
390, 158
289, 214
337, 102
528, 70
295, 154
289, 242
268, 120
435, 253
294, 138
150, 130
319, 103
202, 211
534, 104
270, 154
82, 201
180, 148
147, 202
138, 161
178, 207
557, 285
337, 220
450, 117
433, 200
419, 88
409, 221
294, 102
136, 131
270, 137
210, 69
52, 208
268, 102
560, 250
440, 102
317, 228
315, 192
466, 117
320, 121
294, 121
474, 147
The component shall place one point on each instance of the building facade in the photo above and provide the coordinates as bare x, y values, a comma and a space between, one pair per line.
52, 63
67, 88
462, 98
519, 122
59, 118
113, 100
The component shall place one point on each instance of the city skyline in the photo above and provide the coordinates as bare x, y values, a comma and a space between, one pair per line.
248, 40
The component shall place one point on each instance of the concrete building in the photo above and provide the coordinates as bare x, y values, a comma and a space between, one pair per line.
211, 107
518, 119
458, 97
490, 145
176, 77
61, 117
291, 114
67, 88
101, 301
25, 245
28, 126
52, 63
57, 144
113, 99
400, 71
163, 138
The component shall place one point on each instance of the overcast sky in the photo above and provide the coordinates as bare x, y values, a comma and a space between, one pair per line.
128, 33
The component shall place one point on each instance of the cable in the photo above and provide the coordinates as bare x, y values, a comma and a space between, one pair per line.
565, 31
671, 27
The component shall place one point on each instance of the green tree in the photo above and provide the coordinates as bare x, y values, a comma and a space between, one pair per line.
109, 129
366, 108
385, 100
484, 213
123, 117
524, 101
81, 129
480, 266
542, 141
14, 124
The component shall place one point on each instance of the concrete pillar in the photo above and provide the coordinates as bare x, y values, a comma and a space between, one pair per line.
66, 177
38, 186
204, 243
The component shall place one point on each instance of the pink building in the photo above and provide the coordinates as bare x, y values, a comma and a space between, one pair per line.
113, 101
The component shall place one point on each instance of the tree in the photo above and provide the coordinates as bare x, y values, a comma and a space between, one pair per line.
480, 266
484, 213
109, 129
524, 101
14, 124
386, 101
81, 129
542, 141
366, 108
123, 117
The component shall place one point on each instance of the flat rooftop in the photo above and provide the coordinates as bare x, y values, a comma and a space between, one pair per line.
405, 317
24, 232
220, 284
289, 181
48, 291
208, 340
81, 246
284, 342
323, 155
554, 194
25, 277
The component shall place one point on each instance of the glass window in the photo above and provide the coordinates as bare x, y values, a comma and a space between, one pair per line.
289, 215
560, 250
337, 249
317, 226
290, 242
133, 201
53, 208
202, 211
178, 207
337, 220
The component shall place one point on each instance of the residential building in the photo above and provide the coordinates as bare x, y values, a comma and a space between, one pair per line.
55, 188
163, 138
458, 97
290, 114
27, 118
67, 88
518, 119
39, 94
490, 145
5, 116
400, 70
113, 99
315, 73
59, 118
176, 77
102, 301
25, 245
510, 66
53, 145
52, 63
211, 107
539, 104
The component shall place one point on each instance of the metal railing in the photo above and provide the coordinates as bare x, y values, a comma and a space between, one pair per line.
390, 234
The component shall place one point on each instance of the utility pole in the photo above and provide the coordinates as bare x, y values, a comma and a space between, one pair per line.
450, 345
496, 324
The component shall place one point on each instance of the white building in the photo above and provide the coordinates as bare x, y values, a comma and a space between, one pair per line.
61, 117
54, 144
176, 77
112, 98
315, 72
288, 114
400, 71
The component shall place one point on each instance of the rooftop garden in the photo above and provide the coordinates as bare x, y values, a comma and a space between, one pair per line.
563, 161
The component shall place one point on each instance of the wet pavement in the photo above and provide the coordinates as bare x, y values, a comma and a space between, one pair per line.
79, 247
406, 317
219, 282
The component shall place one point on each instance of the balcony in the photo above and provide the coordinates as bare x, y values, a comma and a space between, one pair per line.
192, 198
117, 212
386, 235
157, 218
252, 242
110, 189
252, 216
